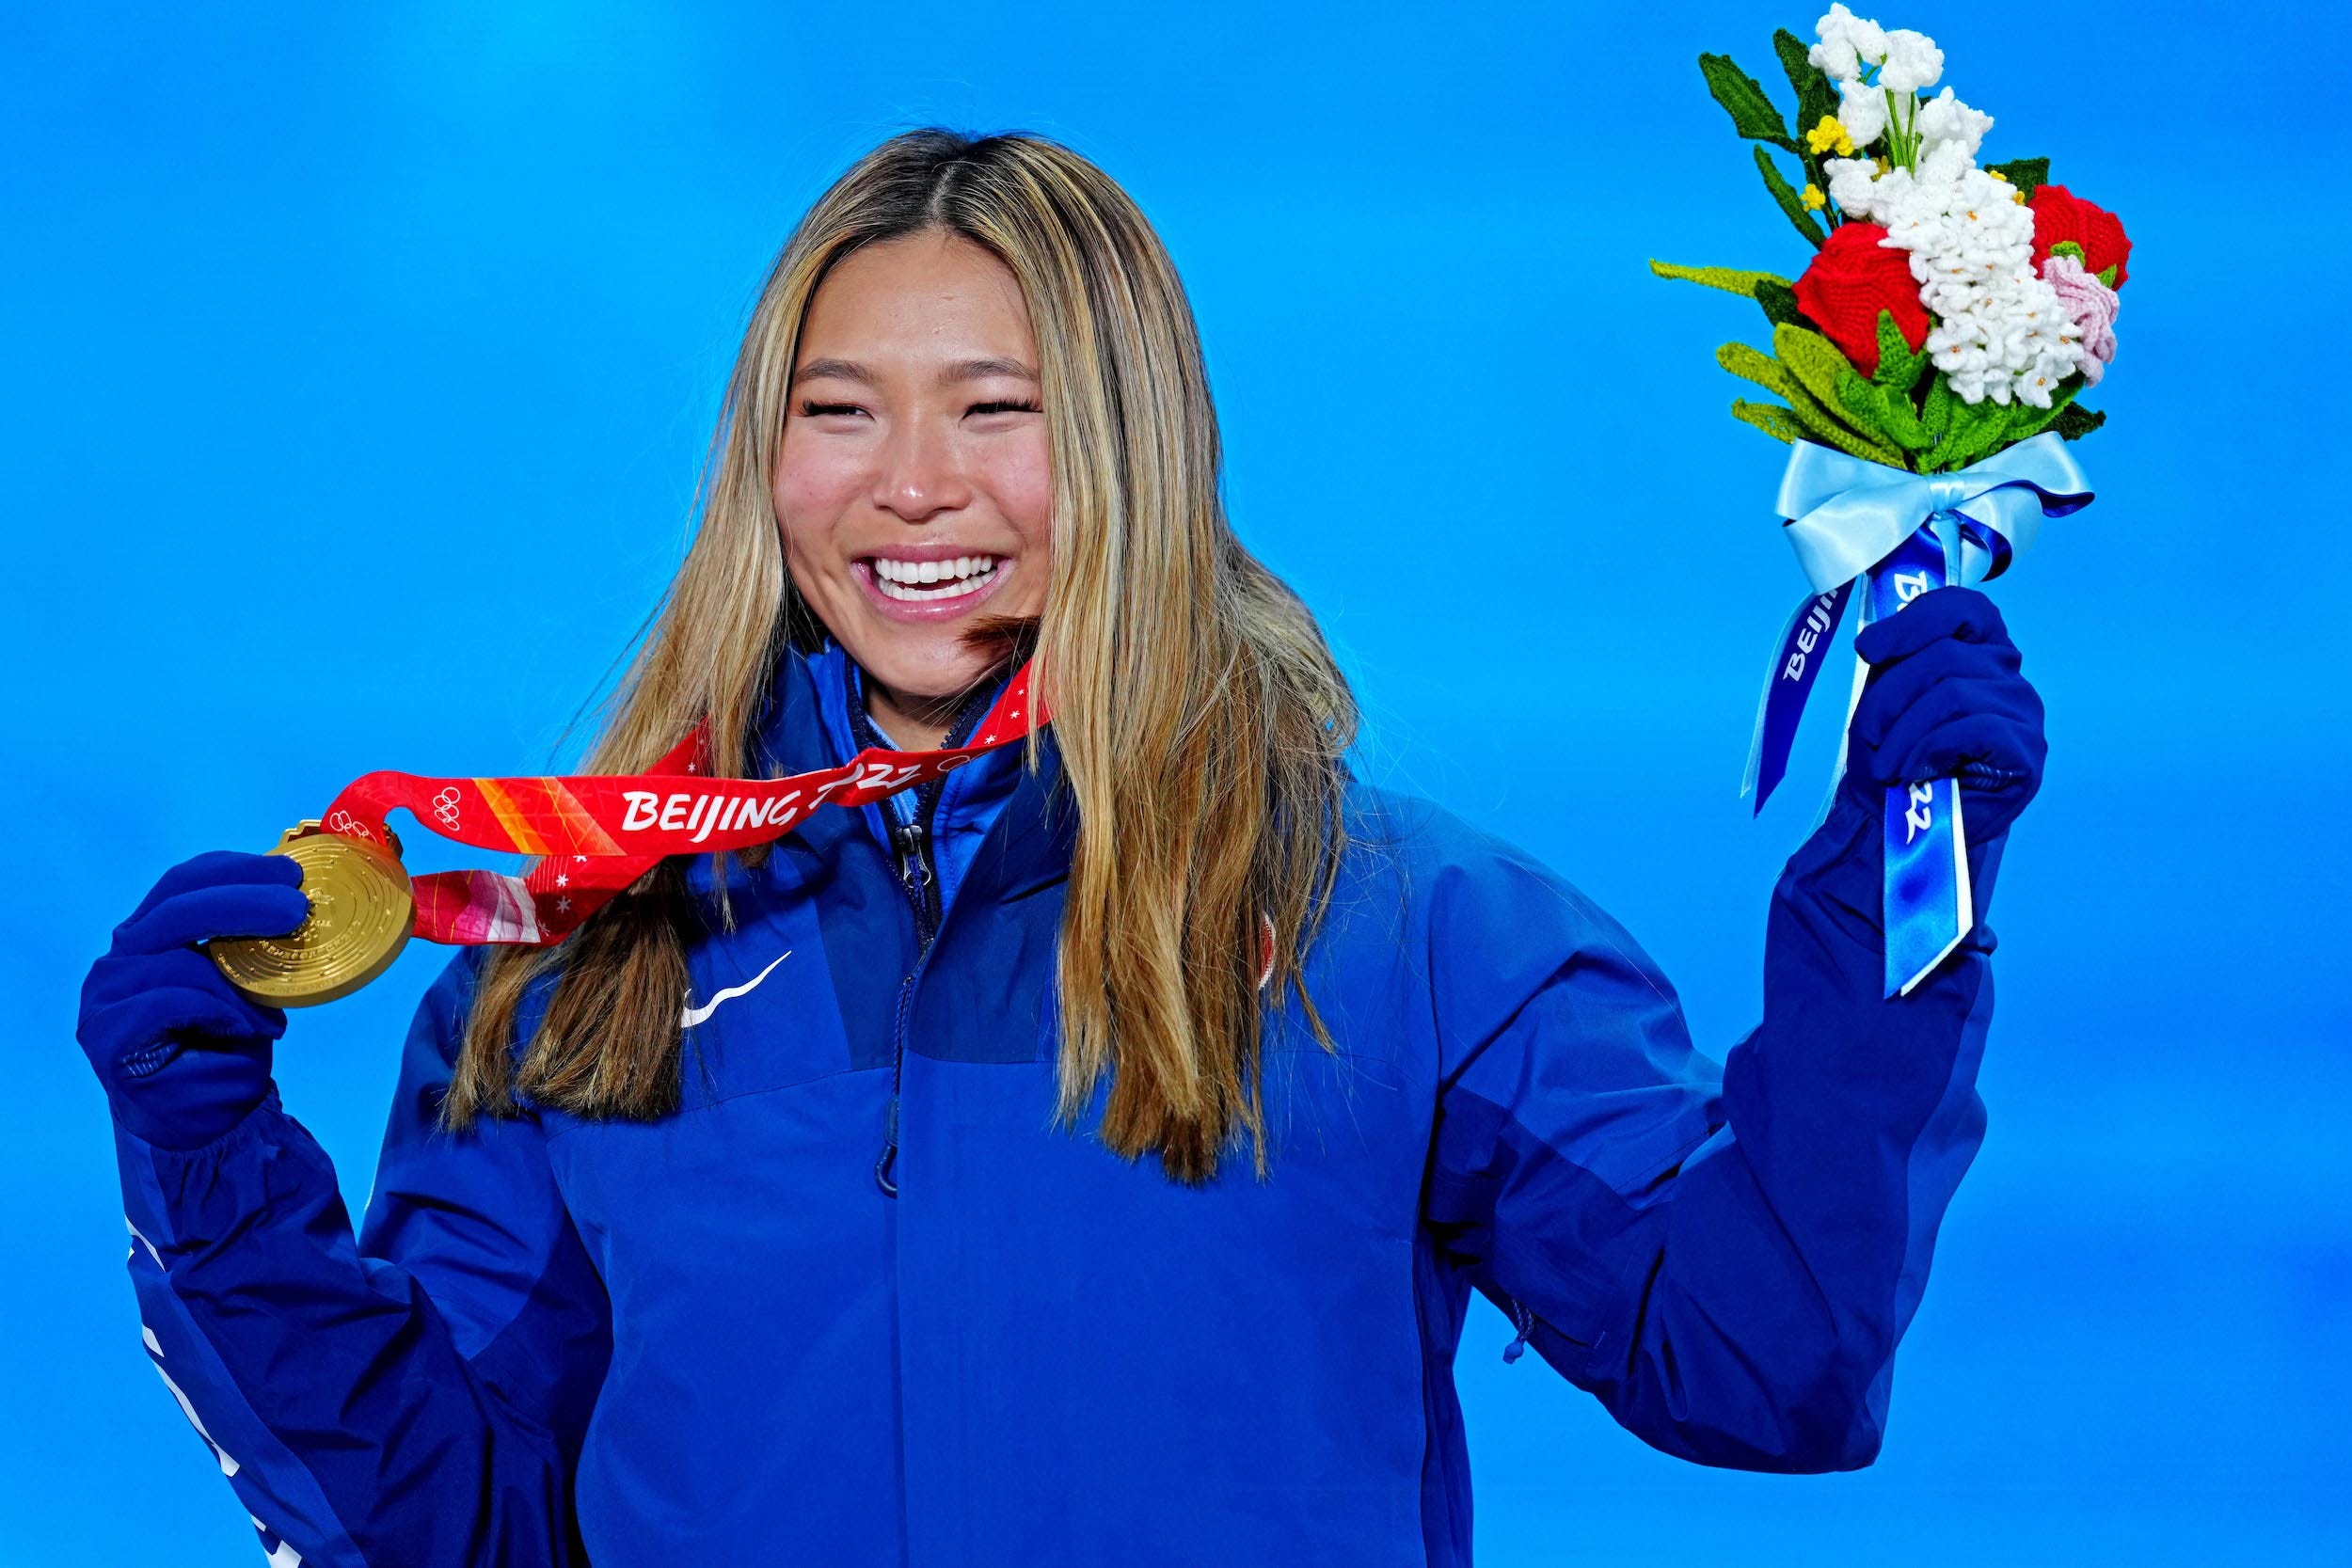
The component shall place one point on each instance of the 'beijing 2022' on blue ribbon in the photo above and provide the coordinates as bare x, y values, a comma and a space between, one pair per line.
1901, 534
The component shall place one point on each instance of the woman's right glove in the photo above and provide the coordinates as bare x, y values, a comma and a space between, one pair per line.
182, 1053
1946, 696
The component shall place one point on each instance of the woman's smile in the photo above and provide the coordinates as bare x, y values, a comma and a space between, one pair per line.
930, 583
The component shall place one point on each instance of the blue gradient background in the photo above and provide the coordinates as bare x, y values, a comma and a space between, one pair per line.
384, 345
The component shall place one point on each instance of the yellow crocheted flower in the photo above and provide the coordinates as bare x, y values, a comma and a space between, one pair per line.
1814, 198
1827, 135
2018, 197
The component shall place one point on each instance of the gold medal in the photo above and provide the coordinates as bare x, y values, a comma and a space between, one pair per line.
360, 916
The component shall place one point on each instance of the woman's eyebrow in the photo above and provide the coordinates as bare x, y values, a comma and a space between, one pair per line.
972, 370
961, 369
838, 370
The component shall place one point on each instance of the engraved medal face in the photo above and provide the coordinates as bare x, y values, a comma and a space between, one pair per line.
360, 916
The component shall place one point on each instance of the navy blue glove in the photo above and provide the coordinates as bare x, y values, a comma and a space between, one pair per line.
1945, 697
182, 1054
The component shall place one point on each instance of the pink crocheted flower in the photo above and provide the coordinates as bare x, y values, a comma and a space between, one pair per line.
2091, 305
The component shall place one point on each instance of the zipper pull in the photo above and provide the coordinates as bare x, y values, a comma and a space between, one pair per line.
885, 1169
1525, 1320
912, 869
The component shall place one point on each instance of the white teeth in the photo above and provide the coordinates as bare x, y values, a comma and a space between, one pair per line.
965, 574
889, 569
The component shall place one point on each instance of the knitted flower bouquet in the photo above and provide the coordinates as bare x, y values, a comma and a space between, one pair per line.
1928, 360
1950, 309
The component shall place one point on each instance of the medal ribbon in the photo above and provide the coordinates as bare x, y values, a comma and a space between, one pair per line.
595, 834
1901, 534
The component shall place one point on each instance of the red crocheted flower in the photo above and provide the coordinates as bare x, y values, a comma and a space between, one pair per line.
2059, 215
1851, 279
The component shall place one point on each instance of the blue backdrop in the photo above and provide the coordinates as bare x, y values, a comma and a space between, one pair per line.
358, 366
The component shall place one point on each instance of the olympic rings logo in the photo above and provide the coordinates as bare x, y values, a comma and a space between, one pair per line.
445, 807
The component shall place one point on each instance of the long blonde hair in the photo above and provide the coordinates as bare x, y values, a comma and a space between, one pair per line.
1199, 715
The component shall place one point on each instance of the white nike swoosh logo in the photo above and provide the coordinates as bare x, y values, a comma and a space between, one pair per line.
695, 1015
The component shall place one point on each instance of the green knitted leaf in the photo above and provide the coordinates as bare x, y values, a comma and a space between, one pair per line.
1976, 429
1823, 426
1886, 410
1751, 113
1970, 428
1835, 435
2075, 422
1959, 417
1813, 357
1778, 185
1902, 420
1769, 418
1729, 279
1936, 412
1812, 364
2107, 275
2068, 248
1857, 405
2030, 420
1753, 365
1779, 301
2027, 174
1899, 364
1994, 433
1936, 459
1815, 98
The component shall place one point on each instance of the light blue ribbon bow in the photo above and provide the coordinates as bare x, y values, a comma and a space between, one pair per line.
1848, 514
1902, 534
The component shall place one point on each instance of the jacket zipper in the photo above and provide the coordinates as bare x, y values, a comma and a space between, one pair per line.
912, 844
920, 879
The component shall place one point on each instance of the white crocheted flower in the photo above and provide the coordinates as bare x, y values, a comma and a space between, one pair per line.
1862, 110
1854, 185
1848, 42
1913, 62
2000, 332
1945, 120
1946, 162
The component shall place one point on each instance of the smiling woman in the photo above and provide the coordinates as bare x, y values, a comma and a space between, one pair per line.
915, 486
934, 385
1084, 1155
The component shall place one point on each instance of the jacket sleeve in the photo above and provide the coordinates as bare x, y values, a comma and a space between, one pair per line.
1725, 1258
416, 1395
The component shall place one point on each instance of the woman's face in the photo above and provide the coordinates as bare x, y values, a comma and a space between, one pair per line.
915, 489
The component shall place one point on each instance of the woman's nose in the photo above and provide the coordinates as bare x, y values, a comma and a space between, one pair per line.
921, 475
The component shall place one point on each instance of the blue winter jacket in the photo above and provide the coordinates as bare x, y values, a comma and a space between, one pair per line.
767, 1329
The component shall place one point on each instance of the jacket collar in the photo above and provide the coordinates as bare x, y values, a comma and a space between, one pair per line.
1029, 847
805, 725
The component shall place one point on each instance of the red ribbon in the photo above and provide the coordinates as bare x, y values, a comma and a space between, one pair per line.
595, 834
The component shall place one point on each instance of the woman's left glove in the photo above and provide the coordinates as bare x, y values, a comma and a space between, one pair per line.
1945, 697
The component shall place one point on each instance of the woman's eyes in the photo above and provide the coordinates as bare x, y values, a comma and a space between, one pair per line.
1001, 405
